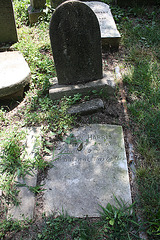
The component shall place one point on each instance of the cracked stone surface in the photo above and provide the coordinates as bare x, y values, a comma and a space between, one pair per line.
91, 167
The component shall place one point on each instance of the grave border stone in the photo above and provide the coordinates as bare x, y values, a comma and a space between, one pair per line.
107, 84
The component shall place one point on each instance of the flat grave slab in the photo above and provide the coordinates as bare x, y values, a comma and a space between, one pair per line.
14, 73
91, 167
109, 33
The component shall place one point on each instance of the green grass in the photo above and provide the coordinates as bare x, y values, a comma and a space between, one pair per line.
115, 223
140, 29
143, 94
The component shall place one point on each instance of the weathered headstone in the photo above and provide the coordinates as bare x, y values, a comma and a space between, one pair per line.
76, 43
8, 32
91, 167
38, 3
109, 33
55, 3
35, 10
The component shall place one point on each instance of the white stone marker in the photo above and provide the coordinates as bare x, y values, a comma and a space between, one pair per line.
14, 73
109, 33
88, 172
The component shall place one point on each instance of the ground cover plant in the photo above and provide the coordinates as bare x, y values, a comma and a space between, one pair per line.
143, 85
139, 60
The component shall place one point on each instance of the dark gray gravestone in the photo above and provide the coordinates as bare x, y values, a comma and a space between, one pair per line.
35, 10
76, 43
8, 32
55, 3
38, 3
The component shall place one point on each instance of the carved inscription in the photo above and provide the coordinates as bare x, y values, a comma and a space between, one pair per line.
85, 179
83, 159
97, 137
95, 148
105, 18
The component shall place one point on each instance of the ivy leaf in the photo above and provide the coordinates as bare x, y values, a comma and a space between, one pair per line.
111, 222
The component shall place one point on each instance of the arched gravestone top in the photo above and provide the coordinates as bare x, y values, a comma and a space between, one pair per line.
76, 43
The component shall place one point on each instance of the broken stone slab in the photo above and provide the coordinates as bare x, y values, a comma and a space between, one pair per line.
107, 83
14, 73
88, 107
90, 168
109, 33
27, 198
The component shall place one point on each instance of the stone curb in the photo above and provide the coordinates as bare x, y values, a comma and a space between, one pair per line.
88, 107
106, 83
26, 197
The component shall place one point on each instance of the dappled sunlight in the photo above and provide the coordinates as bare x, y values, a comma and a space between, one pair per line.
83, 178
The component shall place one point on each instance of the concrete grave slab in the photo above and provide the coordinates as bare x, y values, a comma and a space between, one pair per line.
107, 83
109, 33
91, 166
27, 198
14, 73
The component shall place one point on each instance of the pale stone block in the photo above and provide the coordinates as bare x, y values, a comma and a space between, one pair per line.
14, 73
90, 167
109, 33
